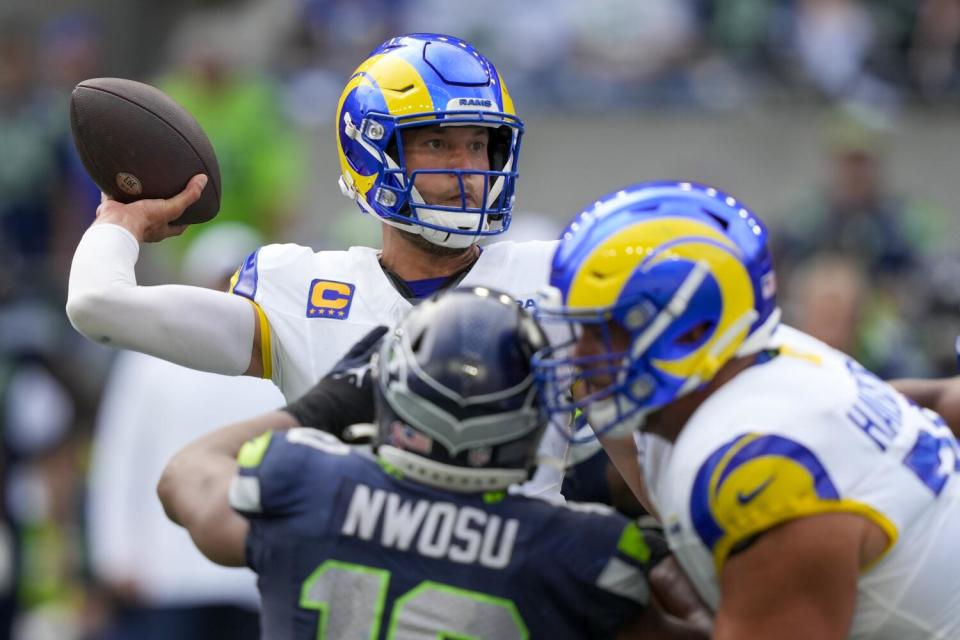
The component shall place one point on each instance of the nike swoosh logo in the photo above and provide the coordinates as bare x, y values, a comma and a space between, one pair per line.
744, 498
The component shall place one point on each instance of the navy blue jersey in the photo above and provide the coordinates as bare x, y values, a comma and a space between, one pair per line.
346, 549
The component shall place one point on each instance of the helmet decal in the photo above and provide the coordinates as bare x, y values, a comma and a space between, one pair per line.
683, 270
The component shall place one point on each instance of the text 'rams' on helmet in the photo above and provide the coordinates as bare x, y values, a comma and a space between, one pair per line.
457, 406
678, 275
424, 80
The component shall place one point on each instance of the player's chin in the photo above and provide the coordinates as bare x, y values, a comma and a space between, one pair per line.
430, 248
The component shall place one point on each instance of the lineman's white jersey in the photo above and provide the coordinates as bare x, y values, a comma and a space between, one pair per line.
811, 431
313, 306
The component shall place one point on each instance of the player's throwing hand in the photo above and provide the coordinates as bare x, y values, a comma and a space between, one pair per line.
149, 220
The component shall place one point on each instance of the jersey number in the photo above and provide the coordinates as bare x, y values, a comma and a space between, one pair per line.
936, 453
351, 597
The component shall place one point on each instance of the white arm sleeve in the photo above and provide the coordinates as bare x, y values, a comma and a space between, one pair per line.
191, 326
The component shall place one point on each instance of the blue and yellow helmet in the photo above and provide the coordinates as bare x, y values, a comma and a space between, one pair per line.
423, 80
684, 269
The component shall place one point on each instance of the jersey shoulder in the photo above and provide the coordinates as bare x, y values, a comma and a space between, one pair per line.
280, 473
276, 270
603, 551
518, 268
795, 437
261, 266
532, 251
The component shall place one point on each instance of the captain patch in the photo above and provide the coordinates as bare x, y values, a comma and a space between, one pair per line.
330, 299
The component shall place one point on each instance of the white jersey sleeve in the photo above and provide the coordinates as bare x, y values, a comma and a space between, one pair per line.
813, 432
192, 326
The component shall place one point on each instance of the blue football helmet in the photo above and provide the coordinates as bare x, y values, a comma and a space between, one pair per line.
423, 80
457, 406
674, 279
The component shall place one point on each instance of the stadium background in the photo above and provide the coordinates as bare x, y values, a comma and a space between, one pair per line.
836, 120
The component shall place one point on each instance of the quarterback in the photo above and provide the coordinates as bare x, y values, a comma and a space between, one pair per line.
802, 495
428, 141
416, 538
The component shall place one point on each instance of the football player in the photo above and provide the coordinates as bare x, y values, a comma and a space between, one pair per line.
803, 496
428, 141
417, 538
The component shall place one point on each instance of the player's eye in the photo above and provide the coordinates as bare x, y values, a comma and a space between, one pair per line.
434, 144
478, 146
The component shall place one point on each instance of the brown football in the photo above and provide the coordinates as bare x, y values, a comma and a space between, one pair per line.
136, 142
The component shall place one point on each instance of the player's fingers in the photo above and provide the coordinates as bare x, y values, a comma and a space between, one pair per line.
190, 194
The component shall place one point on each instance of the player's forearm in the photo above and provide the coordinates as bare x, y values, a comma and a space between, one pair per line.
195, 327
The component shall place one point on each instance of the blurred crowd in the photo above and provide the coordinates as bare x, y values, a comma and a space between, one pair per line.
84, 549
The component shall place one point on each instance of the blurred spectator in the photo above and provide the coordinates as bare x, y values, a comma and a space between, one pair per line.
43, 412
884, 239
831, 299
71, 51
624, 48
828, 298
161, 585
28, 142
933, 55
832, 40
262, 158
855, 213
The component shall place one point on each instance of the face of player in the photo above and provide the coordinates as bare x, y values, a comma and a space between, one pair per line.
603, 347
448, 148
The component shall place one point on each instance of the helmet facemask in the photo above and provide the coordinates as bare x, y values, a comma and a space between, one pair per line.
481, 211
457, 406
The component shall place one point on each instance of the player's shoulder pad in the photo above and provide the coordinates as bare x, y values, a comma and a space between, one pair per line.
756, 481
246, 281
274, 469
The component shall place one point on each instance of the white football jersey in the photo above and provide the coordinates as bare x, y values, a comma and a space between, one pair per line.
811, 431
314, 306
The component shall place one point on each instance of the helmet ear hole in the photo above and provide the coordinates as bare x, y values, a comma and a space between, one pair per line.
498, 147
695, 335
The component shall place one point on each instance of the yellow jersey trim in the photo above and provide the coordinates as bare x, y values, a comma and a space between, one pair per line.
805, 509
266, 342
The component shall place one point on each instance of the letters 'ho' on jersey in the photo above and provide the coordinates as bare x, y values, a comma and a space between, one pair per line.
314, 305
811, 431
344, 549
